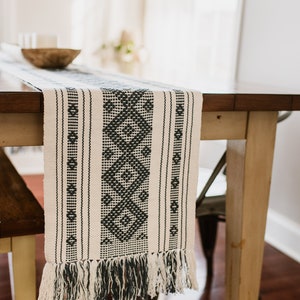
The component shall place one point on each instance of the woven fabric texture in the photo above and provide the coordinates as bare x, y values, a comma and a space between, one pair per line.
121, 163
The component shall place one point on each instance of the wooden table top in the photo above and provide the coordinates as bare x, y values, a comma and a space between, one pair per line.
17, 97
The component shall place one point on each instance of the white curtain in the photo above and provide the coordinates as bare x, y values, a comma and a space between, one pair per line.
192, 41
101, 22
187, 41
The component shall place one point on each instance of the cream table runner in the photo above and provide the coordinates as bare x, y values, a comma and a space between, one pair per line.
120, 184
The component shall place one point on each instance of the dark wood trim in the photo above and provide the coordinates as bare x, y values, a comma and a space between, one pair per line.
245, 102
296, 102
17, 97
218, 102
21, 102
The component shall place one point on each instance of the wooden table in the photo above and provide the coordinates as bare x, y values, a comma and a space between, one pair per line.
246, 116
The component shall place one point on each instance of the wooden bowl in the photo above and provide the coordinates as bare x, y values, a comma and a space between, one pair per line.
51, 58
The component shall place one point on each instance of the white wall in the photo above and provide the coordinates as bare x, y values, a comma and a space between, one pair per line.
270, 54
41, 16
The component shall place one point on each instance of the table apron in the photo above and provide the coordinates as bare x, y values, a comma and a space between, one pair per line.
228, 125
21, 129
26, 129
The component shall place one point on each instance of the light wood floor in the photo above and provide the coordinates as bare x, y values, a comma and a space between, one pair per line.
280, 276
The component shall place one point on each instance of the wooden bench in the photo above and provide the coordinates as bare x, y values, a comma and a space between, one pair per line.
21, 217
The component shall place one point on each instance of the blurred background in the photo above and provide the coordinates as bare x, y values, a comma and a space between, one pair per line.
191, 43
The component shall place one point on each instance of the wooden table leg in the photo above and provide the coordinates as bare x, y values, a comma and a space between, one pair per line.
23, 256
249, 176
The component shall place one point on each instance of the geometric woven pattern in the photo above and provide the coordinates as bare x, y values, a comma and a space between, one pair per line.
126, 167
120, 184
71, 186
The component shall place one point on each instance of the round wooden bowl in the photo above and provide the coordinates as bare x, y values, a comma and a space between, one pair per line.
51, 58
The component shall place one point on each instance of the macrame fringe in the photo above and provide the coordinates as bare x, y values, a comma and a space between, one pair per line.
123, 278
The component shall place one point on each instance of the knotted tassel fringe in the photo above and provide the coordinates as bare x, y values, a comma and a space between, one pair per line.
123, 278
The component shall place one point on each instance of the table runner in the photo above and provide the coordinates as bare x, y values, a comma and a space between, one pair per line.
121, 163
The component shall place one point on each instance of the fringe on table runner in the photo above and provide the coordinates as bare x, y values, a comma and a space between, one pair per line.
123, 277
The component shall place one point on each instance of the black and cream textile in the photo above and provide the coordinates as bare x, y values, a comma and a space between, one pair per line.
121, 162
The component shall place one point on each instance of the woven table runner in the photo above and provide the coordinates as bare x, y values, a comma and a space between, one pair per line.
121, 163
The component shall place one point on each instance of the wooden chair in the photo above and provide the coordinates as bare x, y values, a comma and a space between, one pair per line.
211, 209
21, 217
